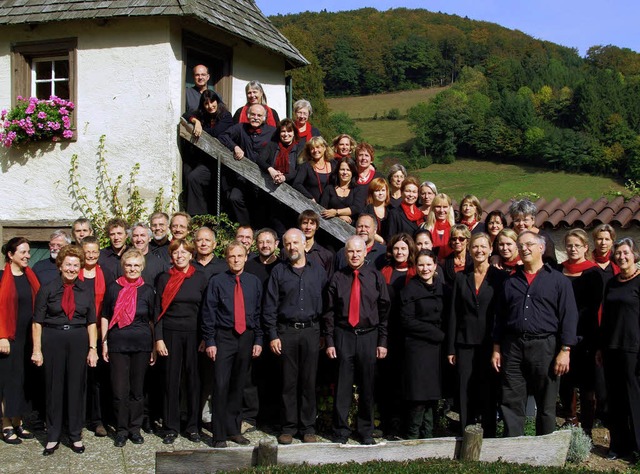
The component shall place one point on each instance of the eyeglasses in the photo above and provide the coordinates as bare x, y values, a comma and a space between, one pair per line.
573, 246
527, 245
457, 239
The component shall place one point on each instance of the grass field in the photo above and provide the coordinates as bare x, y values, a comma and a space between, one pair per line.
367, 106
492, 180
389, 134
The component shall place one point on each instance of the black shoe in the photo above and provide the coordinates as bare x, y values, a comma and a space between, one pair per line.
193, 437
23, 433
340, 439
169, 438
136, 438
77, 449
120, 441
239, 439
10, 436
219, 444
368, 441
147, 426
50, 451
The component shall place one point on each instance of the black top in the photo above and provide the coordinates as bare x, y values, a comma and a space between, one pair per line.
382, 224
162, 252
374, 303
311, 183
184, 311
213, 128
397, 221
620, 328
587, 289
110, 260
473, 315
548, 306
422, 310
293, 295
48, 307
449, 268
243, 135
136, 337
549, 255
46, 270
218, 307
259, 269
331, 200
214, 267
153, 267
376, 257
268, 155
323, 257
363, 189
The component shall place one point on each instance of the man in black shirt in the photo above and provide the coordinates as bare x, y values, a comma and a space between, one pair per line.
206, 261
110, 256
153, 265
376, 253
46, 270
535, 328
308, 223
232, 335
292, 308
159, 223
355, 329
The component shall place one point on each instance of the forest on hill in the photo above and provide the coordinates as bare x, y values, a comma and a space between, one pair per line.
512, 97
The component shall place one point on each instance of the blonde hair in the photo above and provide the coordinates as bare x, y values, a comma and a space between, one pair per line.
438, 200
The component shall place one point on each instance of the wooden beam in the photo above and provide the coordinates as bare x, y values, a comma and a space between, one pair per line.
250, 171
34, 230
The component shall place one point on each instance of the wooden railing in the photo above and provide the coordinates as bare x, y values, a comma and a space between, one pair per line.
250, 171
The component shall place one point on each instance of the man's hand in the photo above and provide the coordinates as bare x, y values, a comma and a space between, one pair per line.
211, 352
257, 350
276, 346
496, 358
238, 154
331, 352
562, 363
381, 352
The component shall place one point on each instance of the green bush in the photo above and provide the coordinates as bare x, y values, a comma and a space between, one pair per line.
394, 114
580, 446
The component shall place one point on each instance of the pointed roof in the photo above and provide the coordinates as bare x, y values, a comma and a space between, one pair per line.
241, 18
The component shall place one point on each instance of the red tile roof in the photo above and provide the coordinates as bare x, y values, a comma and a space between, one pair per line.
573, 213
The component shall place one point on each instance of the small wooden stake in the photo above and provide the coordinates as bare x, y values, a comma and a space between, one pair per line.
471, 443
267, 452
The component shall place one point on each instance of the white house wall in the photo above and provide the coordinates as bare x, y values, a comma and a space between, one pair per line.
129, 88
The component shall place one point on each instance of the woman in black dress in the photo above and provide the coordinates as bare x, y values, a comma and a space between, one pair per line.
18, 288
421, 317
397, 174
428, 192
340, 198
65, 341
377, 205
603, 238
471, 213
315, 166
459, 259
177, 308
127, 340
587, 290
619, 349
407, 217
469, 342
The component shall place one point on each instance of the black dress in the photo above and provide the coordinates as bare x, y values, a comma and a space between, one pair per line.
12, 365
331, 200
311, 183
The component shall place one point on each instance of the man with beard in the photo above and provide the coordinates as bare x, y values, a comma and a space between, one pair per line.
46, 270
154, 265
292, 308
376, 253
159, 223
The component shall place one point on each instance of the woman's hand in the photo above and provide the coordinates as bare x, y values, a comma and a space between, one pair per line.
5, 346
92, 357
452, 359
161, 348
37, 358
105, 351
197, 128
329, 213
347, 219
276, 176
153, 357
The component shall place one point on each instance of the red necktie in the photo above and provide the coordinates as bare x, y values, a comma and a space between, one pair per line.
239, 315
68, 301
354, 300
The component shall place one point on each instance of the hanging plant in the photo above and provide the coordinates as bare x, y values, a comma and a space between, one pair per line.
34, 120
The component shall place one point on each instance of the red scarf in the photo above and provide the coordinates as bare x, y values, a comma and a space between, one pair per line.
441, 240
282, 159
68, 300
607, 258
9, 300
99, 288
470, 224
125, 307
370, 176
415, 215
573, 268
306, 135
387, 272
512, 264
176, 278
270, 120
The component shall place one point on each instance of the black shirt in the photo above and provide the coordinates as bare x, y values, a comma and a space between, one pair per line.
323, 257
110, 260
546, 307
620, 315
374, 303
243, 135
214, 267
48, 306
311, 183
293, 295
153, 266
259, 269
218, 307
376, 257
184, 310
137, 336
46, 271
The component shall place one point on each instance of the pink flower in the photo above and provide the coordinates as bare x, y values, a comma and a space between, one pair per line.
30, 109
67, 134
42, 115
63, 111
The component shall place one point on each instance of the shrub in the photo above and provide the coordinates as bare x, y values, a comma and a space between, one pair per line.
580, 445
394, 114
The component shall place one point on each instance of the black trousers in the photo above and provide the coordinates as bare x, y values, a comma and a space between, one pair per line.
201, 189
182, 361
230, 374
250, 395
99, 396
527, 368
479, 387
65, 363
299, 365
127, 380
356, 355
623, 388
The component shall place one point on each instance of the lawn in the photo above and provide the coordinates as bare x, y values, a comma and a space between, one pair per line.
492, 180
365, 107
388, 134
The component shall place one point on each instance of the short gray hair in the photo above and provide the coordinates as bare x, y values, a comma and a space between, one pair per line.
144, 225
60, 233
522, 207
303, 104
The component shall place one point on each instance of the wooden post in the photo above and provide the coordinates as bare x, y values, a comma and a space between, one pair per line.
267, 452
471, 443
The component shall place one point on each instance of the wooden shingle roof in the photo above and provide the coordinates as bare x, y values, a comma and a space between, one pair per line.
241, 18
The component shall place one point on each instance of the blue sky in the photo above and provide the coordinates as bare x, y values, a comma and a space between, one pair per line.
574, 23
